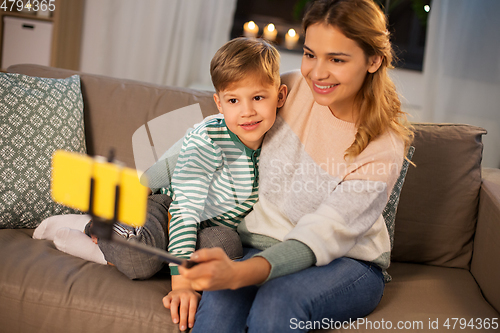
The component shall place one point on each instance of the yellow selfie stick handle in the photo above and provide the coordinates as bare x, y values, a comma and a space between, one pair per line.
132, 204
70, 181
101, 188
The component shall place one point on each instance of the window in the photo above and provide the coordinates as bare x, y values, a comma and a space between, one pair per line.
407, 24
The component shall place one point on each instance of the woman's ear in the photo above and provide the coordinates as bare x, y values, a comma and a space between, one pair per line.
374, 63
217, 102
282, 93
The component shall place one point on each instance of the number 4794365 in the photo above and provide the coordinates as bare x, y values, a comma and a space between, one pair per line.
30, 5
477, 323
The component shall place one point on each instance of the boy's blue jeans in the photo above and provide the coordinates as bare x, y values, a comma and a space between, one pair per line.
342, 290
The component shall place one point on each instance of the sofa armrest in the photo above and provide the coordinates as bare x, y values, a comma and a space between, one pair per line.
486, 256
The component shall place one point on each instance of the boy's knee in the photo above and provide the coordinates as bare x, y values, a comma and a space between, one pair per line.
159, 201
223, 237
134, 264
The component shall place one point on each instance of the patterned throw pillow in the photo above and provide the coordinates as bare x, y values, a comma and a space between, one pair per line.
389, 212
390, 209
37, 117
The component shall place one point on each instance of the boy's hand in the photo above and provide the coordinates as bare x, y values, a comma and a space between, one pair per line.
182, 302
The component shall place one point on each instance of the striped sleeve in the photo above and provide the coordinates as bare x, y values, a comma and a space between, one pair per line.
197, 163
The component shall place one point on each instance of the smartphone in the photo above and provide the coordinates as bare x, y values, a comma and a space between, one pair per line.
74, 174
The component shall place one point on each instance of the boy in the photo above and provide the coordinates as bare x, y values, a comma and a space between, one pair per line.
215, 181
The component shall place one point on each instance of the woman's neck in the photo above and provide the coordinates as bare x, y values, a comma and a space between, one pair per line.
349, 113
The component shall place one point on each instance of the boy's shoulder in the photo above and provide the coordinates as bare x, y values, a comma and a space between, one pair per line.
211, 128
212, 121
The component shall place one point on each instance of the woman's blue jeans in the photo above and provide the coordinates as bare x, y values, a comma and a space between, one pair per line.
342, 290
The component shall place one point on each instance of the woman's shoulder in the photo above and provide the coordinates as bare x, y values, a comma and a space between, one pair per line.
388, 146
290, 78
294, 81
299, 95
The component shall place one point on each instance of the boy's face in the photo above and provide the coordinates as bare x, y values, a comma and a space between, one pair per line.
249, 108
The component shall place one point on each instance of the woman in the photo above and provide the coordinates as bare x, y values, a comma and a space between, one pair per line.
317, 245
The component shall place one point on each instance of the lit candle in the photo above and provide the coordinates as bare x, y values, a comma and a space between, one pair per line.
270, 32
291, 39
250, 29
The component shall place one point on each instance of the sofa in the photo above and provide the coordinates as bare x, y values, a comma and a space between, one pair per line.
445, 261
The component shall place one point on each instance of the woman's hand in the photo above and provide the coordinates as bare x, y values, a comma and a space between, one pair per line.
216, 271
182, 302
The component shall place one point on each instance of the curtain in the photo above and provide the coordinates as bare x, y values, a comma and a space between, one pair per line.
159, 41
462, 68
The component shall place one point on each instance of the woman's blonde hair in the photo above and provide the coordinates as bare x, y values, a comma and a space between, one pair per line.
242, 57
379, 105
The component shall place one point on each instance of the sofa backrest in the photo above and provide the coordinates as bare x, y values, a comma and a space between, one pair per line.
436, 218
115, 108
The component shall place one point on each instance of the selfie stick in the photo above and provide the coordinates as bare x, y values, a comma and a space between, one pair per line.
102, 228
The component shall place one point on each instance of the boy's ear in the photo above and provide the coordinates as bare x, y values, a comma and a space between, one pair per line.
282, 93
217, 102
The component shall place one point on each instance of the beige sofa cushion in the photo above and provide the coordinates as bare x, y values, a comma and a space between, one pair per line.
45, 290
437, 212
425, 294
485, 264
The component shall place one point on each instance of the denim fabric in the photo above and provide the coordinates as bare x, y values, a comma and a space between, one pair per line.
344, 289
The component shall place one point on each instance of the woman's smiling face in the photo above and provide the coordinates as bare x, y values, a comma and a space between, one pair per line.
335, 68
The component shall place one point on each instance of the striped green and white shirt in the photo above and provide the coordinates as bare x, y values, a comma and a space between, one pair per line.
215, 183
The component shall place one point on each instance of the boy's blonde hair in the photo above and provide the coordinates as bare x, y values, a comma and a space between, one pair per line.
243, 57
